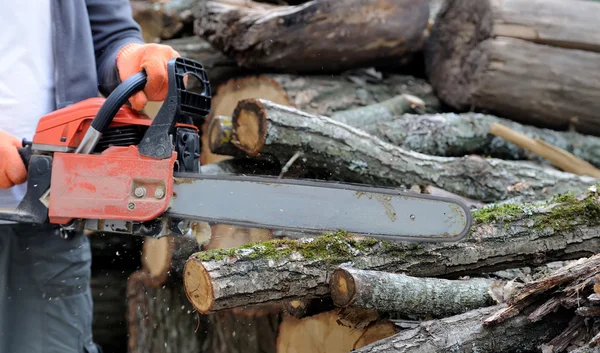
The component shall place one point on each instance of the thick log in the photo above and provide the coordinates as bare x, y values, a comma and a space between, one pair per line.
534, 62
318, 94
323, 333
464, 333
161, 320
320, 36
453, 135
263, 128
502, 237
407, 295
163, 19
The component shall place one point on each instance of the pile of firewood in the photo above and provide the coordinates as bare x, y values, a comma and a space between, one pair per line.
492, 102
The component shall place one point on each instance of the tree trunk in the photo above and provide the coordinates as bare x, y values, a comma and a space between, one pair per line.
464, 333
264, 128
502, 237
161, 320
407, 295
321, 36
318, 94
534, 62
455, 135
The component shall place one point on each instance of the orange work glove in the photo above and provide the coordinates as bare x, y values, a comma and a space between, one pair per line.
152, 58
12, 169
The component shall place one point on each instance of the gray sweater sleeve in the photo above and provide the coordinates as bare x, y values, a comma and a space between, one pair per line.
113, 27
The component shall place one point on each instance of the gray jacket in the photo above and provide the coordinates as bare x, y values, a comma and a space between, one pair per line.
87, 35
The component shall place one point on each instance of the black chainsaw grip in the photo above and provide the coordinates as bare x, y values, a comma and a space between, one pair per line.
25, 153
117, 98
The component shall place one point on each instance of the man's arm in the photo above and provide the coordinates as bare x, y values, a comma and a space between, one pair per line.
113, 27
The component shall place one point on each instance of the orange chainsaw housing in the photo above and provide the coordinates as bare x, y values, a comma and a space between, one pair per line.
102, 185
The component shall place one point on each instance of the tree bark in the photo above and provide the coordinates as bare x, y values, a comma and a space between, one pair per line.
502, 237
464, 333
455, 135
320, 36
161, 320
164, 19
407, 295
534, 62
263, 128
318, 94
366, 118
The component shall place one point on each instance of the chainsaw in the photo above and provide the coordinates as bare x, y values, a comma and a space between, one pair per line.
98, 165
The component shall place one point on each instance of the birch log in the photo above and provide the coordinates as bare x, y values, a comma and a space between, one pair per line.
320, 36
532, 61
262, 127
454, 135
502, 237
407, 295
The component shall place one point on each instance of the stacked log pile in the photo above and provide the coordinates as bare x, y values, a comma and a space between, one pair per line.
491, 102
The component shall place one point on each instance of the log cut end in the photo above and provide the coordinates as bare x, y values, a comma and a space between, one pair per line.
249, 126
453, 57
342, 287
226, 99
156, 259
219, 136
198, 286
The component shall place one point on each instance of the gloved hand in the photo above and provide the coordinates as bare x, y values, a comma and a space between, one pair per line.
152, 58
12, 169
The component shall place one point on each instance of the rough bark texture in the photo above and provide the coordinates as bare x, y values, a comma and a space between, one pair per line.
161, 320
162, 19
465, 334
535, 62
366, 118
319, 94
410, 296
502, 237
261, 128
319, 36
453, 135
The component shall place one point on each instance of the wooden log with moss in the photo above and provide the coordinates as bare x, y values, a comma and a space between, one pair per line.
321, 36
410, 296
455, 135
535, 62
465, 333
502, 236
264, 128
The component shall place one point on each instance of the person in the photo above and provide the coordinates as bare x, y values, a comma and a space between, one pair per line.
56, 53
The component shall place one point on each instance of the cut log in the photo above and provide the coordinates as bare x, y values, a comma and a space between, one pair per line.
455, 135
464, 333
322, 333
165, 257
263, 128
409, 296
502, 237
318, 94
161, 320
534, 62
321, 36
